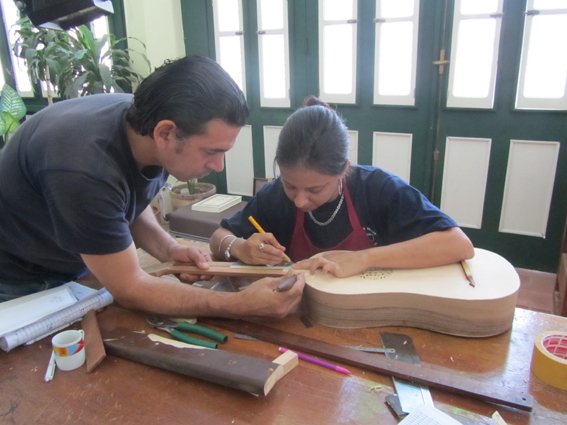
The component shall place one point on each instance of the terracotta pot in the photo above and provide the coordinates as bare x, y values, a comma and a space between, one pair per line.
181, 197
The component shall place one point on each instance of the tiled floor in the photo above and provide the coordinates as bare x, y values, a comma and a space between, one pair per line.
537, 290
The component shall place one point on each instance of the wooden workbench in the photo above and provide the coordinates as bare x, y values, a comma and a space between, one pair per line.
120, 391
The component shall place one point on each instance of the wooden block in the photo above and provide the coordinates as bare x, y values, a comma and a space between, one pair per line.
93, 341
288, 361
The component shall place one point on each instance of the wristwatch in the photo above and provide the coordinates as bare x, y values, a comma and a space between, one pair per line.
227, 255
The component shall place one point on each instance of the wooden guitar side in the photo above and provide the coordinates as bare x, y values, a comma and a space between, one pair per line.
438, 298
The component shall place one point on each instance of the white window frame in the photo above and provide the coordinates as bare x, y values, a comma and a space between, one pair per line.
349, 98
221, 34
409, 99
265, 101
21, 76
469, 102
523, 102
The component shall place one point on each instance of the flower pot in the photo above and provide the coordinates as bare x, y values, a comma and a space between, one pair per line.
180, 196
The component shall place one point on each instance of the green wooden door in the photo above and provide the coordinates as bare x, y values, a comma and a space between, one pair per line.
429, 121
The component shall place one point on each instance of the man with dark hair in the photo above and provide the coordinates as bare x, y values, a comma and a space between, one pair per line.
77, 178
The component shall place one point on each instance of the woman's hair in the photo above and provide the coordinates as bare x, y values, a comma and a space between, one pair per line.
189, 91
314, 137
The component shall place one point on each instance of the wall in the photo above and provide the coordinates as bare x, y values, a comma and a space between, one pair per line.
158, 25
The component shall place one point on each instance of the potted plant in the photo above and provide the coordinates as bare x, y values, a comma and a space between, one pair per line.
189, 192
74, 62
12, 111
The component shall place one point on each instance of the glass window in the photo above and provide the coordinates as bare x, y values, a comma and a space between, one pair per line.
337, 50
273, 46
229, 40
474, 53
11, 15
395, 59
543, 67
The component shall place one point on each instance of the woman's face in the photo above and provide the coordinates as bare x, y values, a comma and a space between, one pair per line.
309, 189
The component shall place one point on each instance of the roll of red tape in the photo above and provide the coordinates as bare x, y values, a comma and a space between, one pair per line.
549, 360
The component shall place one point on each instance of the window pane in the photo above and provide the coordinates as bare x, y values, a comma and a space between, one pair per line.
271, 14
100, 28
11, 15
273, 66
549, 4
546, 66
395, 57
475, 7
395, 61
229, 44
229, 57
388, 9
338, 59
228, 15
338, 10
473, 58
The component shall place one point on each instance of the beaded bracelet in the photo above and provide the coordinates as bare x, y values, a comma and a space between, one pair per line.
227, 250
221, 242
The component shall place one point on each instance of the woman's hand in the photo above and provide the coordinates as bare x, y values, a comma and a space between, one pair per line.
260, 248
337, 263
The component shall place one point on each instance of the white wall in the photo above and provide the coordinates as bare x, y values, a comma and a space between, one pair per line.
158, 25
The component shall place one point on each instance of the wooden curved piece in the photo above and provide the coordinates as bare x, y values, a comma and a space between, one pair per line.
438, 298
254, 375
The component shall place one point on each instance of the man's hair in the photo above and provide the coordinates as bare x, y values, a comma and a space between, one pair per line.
189, 91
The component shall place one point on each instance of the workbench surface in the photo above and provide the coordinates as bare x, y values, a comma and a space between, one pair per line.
123, 392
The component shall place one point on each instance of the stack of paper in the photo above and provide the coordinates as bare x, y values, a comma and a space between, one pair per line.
216, 203
32, 317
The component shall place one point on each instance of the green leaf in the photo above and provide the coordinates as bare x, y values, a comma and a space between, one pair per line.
12, 103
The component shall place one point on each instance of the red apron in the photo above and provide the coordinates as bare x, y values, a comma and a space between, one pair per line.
301, 246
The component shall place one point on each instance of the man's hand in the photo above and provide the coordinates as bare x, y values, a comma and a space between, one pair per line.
262, 298
188, 254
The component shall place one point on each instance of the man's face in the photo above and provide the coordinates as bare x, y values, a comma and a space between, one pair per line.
198, 155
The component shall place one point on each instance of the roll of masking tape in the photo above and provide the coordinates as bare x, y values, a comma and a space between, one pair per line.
549, 360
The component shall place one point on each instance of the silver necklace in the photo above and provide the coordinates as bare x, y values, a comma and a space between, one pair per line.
332, 217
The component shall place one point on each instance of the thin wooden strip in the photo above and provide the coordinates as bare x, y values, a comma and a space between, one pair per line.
218, 268
450, 381
93, 341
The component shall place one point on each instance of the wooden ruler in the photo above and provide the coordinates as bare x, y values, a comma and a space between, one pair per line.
434, 377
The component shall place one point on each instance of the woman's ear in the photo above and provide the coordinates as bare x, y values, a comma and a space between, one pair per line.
345, 168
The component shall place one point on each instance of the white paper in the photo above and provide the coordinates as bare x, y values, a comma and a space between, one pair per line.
428, 415
24, 310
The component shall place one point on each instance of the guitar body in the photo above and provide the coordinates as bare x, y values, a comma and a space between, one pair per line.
437, 298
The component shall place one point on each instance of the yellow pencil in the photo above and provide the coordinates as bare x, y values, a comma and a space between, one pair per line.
468, 273
261, 230
256, 224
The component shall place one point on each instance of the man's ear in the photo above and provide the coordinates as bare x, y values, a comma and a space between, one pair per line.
164, 132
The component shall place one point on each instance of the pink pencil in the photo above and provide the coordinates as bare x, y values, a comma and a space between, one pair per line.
316, 361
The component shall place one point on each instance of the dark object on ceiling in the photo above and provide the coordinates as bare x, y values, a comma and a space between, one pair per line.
64, 14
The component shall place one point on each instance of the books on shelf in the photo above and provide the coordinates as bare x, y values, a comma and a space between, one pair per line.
216, 203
